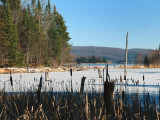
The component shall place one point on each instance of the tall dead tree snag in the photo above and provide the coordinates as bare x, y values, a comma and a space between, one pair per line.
125, 68
108, 92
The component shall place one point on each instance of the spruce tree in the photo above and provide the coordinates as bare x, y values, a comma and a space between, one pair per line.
64, 47
3, 43
12, 38
54, 44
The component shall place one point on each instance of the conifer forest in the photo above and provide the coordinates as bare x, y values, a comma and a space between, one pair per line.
32, 32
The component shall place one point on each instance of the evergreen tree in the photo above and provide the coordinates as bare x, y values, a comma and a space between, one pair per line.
12, 38
54, 44
146, 60
64, 47
48, 7
2, 37
39, 5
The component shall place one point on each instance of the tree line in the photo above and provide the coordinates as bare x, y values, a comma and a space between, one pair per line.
91, 59
32, 33
153, 58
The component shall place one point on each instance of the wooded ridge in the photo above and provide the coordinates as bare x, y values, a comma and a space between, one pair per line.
115, 55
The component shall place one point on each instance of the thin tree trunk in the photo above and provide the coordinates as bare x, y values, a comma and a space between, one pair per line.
125, 70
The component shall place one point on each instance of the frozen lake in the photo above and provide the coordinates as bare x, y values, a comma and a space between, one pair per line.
60, 81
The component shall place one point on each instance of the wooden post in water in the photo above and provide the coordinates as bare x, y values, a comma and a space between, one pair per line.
46, 76
11, 80
107, 74
82, 85
125, 68
39, 90
103, 75
99, 73
71, 79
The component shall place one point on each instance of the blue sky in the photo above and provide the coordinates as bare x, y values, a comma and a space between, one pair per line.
106, 22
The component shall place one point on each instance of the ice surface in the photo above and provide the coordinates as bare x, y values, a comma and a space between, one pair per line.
61, 81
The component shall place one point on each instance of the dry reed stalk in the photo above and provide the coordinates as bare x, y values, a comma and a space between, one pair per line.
53, 101
95, 107
120, 110
100, 113
32, 110
4, 108
44, 116
157, 113
26, 115
114, 107
58, 110
144, 118
87, 107
66, 104
105, 115
16, 108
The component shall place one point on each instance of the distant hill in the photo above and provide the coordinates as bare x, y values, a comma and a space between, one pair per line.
113, 54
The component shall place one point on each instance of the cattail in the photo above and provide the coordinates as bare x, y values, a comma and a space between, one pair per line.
87, 107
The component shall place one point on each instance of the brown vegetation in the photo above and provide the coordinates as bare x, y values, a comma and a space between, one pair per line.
71, 106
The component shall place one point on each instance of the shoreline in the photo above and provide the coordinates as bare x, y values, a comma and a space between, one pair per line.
7, 70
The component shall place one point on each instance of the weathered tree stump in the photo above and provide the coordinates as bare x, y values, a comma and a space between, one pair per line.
108, 92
